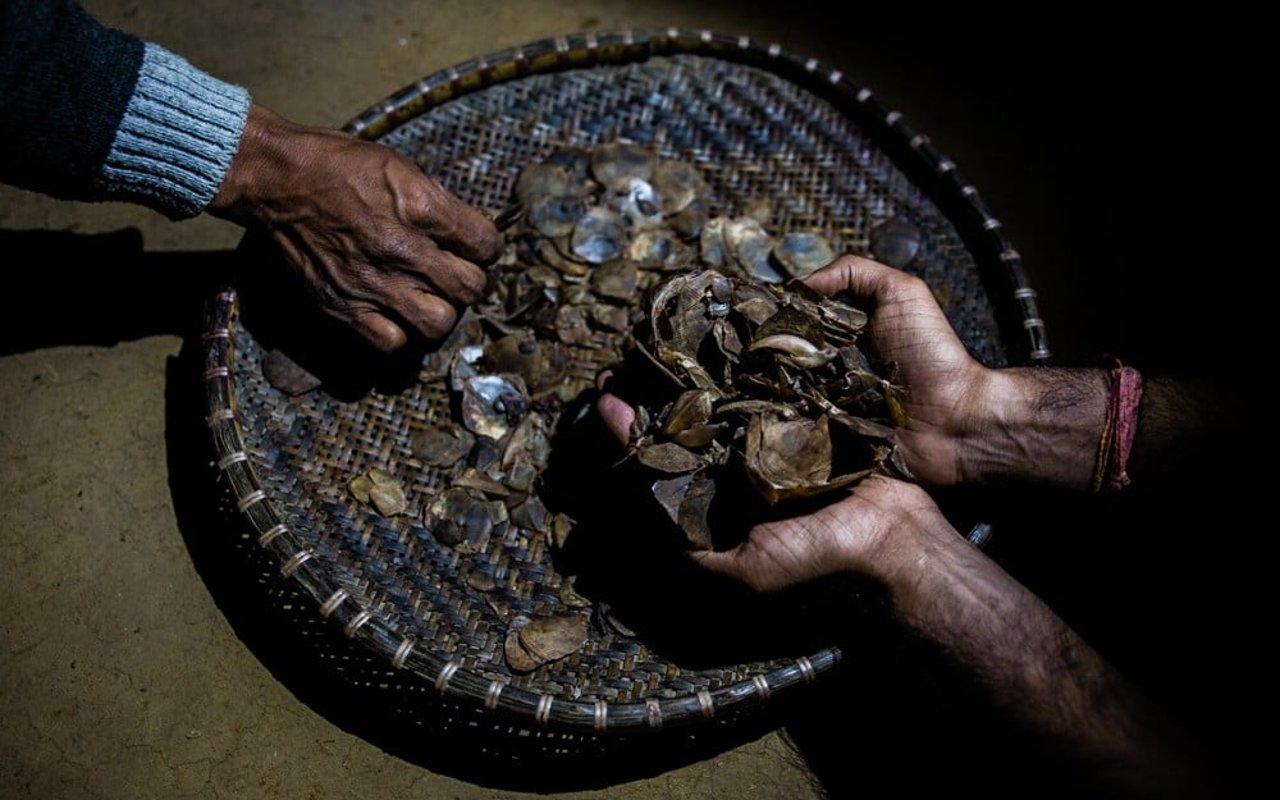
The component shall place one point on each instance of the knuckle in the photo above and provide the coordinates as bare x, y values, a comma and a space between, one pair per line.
424, 198
397, 244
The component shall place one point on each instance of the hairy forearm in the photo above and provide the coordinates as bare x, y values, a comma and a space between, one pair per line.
1037, 425
1037, 670
1043, 426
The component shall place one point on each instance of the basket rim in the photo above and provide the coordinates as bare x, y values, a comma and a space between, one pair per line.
907, 148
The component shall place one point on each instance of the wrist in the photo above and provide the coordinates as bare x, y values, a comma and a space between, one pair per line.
1035, 425
267, 146
903, 524
911, 559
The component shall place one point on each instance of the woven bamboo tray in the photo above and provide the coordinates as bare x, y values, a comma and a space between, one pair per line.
757, 122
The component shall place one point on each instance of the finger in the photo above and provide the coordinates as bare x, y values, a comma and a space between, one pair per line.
384, 335
454, 225
450, 276
616, 413
868, 280
424, 312
617, 416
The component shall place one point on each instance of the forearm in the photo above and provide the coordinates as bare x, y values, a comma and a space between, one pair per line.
1036, 425
1043, 426
1036, 670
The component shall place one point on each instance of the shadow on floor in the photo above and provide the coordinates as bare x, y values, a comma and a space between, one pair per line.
100, 289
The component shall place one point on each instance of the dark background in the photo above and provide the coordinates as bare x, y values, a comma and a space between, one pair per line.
1123, 152
1126, 156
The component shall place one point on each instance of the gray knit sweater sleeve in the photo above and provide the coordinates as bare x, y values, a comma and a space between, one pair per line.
91, 113
177, 138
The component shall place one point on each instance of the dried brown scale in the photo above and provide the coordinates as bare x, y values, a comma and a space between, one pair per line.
540, 365
570, 598
895, 241
615, 280
532, 515
610, 318
668, 457
551, 638
287, 375
442, 446
472, 478
783, 382
694, 510
614, 165
389, 499
381, 490
802, 254
359, 487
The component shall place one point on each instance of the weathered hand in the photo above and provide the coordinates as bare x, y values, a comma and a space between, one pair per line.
869, 530
946, 389
380, 246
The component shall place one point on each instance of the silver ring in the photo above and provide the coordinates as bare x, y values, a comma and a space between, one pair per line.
270, 535
298, 559
653, 711
357, 622
806, 668
492, 695
402, 652
331, 605
446, 672
601, 716
704, 702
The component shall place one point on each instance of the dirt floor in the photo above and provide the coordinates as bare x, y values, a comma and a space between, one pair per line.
123, 674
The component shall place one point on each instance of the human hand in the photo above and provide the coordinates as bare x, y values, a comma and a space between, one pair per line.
947, 392
874, 530
380, 246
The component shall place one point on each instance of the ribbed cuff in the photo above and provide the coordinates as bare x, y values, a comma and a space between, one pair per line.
178, 136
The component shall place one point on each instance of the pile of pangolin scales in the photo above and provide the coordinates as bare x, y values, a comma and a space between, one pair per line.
614, 255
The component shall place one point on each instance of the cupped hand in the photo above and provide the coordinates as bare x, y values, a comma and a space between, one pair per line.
874, 530
946, 390
380, 246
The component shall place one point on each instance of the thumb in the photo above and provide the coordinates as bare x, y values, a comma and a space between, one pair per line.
745, 563
437, 212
